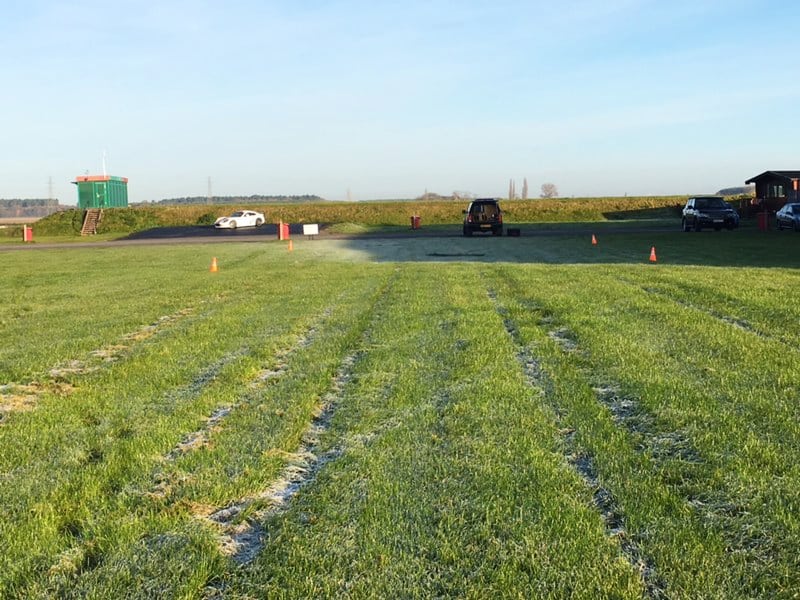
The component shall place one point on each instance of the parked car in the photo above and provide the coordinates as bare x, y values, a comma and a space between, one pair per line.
708, 211
483, 214
241, 218
789, 216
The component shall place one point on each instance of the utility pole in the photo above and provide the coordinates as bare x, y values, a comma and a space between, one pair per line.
50, 189
209, 198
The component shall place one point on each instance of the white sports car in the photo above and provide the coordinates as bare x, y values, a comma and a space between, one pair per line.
241, 218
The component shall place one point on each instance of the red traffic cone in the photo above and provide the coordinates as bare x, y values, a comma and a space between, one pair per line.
594, 240
653, 254
214, 267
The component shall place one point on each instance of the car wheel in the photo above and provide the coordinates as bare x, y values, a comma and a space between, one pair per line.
796, 226
685, 225
259, 222
233, 224
467, 232
778, 224
697, 225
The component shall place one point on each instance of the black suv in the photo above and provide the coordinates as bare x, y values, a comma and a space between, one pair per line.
708, 211
483, 214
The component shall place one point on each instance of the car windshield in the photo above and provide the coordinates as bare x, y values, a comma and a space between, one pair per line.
238, 213
717, 203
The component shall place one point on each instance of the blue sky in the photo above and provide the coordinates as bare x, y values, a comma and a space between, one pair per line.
389, 99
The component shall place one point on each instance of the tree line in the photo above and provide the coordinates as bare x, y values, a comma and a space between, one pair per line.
28, 207
253, 199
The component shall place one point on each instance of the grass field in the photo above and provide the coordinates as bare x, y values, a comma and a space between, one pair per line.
484, 417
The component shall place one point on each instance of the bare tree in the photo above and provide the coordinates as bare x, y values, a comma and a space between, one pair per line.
549, 190
512, 189
463, 195
525, 188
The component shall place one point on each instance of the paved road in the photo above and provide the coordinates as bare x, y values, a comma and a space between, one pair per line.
209, 235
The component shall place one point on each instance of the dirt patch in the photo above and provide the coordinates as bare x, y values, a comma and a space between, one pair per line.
564, 338
73, 367
17, 398
109, 353
150, 330
202, 437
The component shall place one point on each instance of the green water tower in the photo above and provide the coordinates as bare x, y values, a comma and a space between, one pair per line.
102, 191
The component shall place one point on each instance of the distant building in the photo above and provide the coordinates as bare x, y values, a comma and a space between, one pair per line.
102, 191
775, 188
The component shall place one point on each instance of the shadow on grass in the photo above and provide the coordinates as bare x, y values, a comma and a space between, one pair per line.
745, 247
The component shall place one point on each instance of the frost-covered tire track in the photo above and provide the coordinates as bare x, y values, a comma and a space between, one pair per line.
213, 423
736, 322
114, 352
283, 356
604, 501
20, 397
242, 541
627, 412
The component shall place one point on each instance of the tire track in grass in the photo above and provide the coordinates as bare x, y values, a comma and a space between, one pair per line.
82, 555
581, 462
727, 508
113, 352
736, 322
74, 558
243, 540
282, 357
627, 412
241, 532
750, 546
205, 377
21, 397
213, 423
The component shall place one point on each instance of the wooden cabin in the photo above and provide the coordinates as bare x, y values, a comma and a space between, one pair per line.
774, 189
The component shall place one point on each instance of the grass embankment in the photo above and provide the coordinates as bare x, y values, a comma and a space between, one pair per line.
397, 430
367, 215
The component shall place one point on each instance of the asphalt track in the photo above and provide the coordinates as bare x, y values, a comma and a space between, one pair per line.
209, 235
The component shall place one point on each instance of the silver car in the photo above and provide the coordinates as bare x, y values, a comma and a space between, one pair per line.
789, 216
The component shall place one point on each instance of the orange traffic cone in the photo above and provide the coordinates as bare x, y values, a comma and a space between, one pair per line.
594, 240
214, 267
290, 246
653, 254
